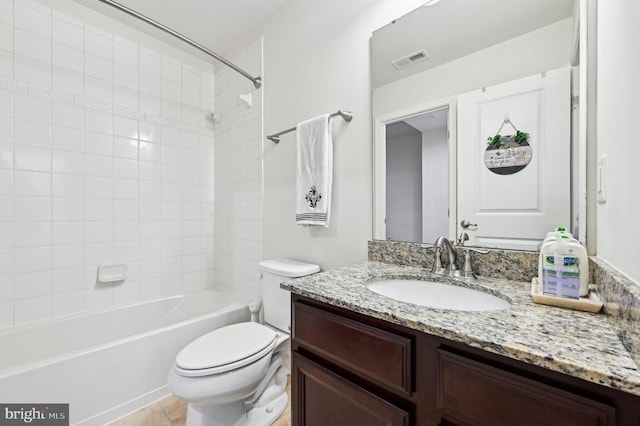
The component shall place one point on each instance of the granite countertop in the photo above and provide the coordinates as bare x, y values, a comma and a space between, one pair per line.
579, 344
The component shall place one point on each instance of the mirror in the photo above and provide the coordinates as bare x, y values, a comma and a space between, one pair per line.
428, 66
416, 157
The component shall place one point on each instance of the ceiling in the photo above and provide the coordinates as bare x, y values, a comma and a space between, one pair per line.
216, 24
452, 29
430, 120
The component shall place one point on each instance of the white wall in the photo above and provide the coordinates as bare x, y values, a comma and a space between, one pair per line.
404, 187
317, 61
618, 91
519, 57
435, 188
106, 155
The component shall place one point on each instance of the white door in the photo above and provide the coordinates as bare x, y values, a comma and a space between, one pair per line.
516, 209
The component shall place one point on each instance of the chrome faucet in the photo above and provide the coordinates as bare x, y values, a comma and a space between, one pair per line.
451, 269
451, 252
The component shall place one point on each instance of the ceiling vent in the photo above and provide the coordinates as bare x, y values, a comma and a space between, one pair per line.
410, 59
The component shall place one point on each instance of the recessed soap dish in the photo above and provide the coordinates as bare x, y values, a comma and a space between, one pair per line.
592, 303
112, 272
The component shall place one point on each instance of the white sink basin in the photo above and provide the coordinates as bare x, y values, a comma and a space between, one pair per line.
438, 295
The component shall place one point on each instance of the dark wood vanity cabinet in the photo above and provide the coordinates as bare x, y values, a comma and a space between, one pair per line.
349, 369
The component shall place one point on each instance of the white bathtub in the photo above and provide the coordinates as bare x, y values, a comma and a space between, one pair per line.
107, 364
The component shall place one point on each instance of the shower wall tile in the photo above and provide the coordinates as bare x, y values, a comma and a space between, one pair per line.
6, 12
67, 31
6, 63
32, 108
126, 53
31, 45
6, 129
67, 80
32, 309
67, 57
6, 155
34, 5
6, 208
29, 132
6, 288
67, 303
6, 182
29, 208
238, 177
98, 44
106, 155
6, 262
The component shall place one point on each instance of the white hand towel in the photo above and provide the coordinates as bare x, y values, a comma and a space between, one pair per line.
314, 170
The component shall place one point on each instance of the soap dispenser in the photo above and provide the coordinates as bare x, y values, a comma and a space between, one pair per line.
565, 268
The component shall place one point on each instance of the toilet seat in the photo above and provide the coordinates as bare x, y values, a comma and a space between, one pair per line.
225, 349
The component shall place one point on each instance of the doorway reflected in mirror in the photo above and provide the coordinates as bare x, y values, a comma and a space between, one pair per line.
417, 170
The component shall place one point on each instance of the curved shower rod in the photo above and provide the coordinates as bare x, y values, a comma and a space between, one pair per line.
257, 81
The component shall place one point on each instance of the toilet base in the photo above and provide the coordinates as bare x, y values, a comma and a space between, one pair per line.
263, 411
216, 415
264, 416
235, 414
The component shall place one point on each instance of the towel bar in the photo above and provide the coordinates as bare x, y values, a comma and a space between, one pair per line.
346, 115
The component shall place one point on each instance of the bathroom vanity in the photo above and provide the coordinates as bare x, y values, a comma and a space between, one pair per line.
359, 358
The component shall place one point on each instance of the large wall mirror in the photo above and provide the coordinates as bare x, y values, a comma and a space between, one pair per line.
479, 122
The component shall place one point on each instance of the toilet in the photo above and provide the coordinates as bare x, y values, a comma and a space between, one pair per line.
236, 375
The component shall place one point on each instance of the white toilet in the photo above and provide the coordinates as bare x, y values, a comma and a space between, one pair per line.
236, 375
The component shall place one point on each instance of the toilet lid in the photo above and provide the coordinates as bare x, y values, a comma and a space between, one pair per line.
226, 346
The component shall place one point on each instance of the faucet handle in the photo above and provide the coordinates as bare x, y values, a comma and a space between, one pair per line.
467, 270
476, 250
462, 238
437, 261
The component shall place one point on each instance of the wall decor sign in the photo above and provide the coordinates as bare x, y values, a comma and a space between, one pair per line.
506, 155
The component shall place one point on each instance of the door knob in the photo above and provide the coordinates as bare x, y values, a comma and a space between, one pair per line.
466, 224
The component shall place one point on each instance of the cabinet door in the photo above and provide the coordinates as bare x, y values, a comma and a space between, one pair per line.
322, 398
473, 393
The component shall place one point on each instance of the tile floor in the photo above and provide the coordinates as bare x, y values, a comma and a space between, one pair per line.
172, 411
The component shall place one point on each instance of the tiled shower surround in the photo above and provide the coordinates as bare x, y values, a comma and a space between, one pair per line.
106, 156
238, 176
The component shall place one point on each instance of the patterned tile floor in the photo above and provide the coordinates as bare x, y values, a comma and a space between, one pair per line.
172, 411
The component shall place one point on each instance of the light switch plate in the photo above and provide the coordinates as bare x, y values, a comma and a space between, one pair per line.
601, 179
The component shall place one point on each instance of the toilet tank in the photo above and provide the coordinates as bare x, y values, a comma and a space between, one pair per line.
276, 301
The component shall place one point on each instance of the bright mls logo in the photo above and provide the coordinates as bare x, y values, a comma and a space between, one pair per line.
34, 414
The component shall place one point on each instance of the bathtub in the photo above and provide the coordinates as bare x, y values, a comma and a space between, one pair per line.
107, 364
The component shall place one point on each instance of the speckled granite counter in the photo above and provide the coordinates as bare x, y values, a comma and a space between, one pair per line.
576, 343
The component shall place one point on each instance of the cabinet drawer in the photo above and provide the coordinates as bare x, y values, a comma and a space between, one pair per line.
479, 394
376, 354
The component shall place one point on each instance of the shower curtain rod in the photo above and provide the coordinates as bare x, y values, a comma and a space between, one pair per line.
257, 81
346, 115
